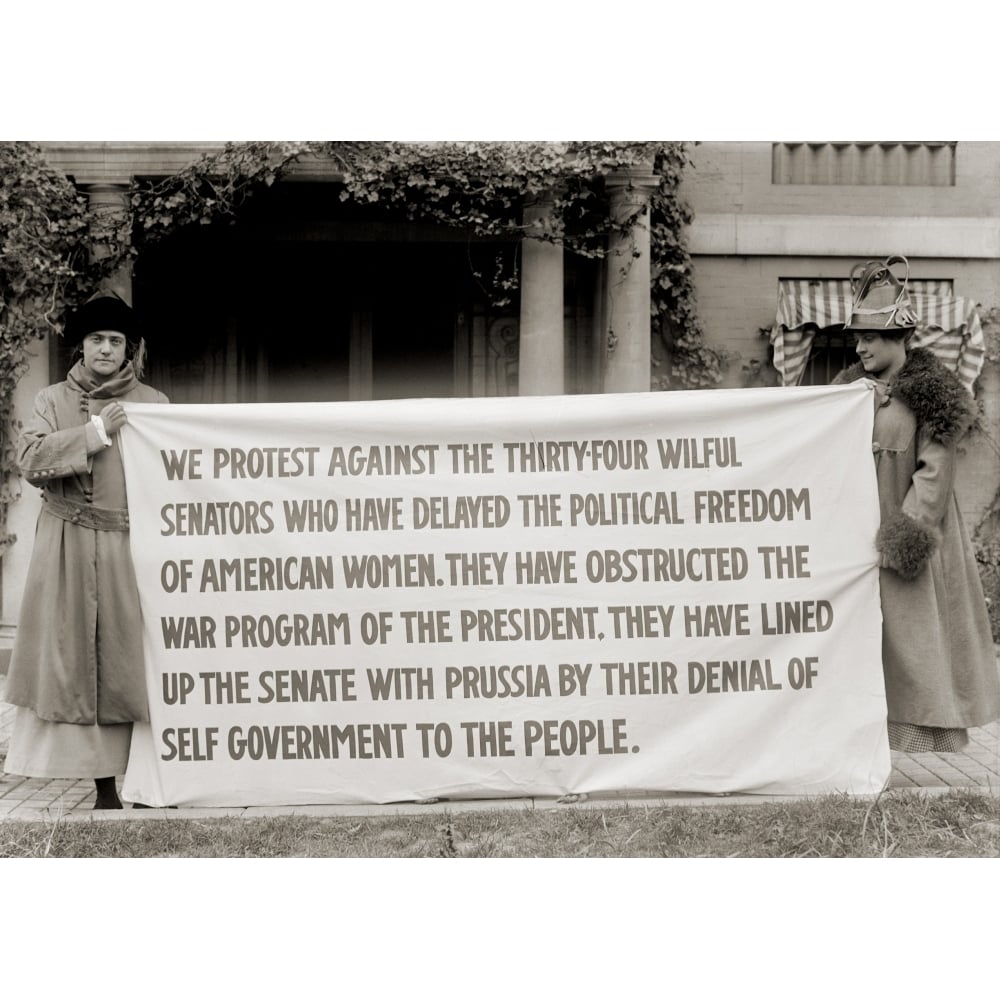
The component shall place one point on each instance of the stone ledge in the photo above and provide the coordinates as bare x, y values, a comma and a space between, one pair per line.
844, 235
118, 162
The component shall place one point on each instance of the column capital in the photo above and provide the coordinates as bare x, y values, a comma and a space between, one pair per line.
642, 179
96, 187
536, 209
106, 197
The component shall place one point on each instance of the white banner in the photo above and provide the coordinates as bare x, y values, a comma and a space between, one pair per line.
472, 598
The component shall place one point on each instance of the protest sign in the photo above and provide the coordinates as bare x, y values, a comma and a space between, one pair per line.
469, 598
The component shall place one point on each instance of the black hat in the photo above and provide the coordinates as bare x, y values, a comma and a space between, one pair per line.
104, 311
881, 301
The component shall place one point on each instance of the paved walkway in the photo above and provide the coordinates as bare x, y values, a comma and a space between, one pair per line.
44, 799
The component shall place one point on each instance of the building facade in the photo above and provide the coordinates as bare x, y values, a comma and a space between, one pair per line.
302, 300
778, 227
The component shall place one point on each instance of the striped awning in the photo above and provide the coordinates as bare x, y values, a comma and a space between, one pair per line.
947, 326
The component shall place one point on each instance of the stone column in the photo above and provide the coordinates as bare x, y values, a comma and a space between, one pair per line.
540, 359
361, 374
627, 320
109, 202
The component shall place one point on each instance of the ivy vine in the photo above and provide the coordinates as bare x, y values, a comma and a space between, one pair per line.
44, 227
694, 365
48, 233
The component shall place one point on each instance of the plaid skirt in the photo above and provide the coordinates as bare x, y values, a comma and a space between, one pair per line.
909, 738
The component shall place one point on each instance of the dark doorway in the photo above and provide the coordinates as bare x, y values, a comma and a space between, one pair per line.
414, 324
233, 320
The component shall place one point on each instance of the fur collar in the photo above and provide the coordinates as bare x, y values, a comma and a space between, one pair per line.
937, 398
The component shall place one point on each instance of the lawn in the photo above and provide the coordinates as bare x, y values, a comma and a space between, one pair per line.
898, 824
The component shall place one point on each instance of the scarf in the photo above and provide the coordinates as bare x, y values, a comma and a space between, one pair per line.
119, 384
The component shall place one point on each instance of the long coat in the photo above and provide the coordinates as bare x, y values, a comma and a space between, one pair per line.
937, 651
78, 652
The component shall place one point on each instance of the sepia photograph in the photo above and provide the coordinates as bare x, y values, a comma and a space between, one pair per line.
432, 495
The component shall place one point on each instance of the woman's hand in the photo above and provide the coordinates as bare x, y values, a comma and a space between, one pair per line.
114, 417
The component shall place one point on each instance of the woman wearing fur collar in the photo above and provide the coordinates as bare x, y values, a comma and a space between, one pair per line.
937, 650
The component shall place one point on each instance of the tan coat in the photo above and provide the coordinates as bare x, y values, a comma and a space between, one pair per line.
78, 652
937, 652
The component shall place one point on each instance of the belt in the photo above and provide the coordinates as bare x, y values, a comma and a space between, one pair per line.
86, 514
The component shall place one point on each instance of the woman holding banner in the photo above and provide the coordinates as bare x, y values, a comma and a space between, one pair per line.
937, 650
76, 671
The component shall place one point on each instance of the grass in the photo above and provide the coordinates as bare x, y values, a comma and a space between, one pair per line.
957, 823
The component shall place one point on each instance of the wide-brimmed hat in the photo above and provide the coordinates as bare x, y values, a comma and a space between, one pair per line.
104, 311
881, 300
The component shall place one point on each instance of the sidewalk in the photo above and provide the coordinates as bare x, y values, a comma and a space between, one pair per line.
44, 799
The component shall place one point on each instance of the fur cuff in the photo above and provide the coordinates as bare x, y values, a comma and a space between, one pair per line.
905, 544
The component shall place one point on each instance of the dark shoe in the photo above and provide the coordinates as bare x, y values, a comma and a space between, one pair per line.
107, 794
